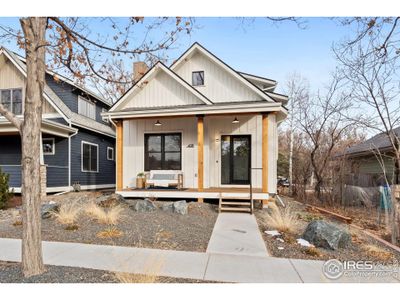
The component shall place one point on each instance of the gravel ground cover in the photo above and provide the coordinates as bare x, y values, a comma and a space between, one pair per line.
360, 248
11, 273
157, 229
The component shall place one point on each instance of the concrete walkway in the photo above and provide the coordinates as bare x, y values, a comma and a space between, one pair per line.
237, 234
195, 265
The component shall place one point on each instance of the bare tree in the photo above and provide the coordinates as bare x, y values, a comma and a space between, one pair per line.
321, 119
370, 61
297, 89
70, 45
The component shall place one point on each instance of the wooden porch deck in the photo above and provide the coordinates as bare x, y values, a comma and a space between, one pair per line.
206, 193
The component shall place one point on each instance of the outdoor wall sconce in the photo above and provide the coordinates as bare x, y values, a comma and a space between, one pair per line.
157, 123
235, 121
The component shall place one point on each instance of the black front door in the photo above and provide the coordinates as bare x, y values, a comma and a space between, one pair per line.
235, 159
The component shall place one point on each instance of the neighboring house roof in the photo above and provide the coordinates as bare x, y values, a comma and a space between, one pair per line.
378, 142
67, 80
60, 106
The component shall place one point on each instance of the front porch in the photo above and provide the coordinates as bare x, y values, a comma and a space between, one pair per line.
205, 193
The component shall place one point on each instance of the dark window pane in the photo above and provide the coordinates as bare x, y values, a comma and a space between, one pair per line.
154, 161
225, 159
6, 99
241, 154
86, 157
172, 143
17, 101
154, 143
198, 78
93, 158
47, 146
172, 161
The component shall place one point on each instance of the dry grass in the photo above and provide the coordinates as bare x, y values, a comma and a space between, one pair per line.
283, 220
314, 252
109, 217
111, 232
151, 273
72, 227
377, 252
68, 213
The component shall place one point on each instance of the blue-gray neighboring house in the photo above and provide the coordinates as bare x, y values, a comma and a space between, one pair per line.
78, 145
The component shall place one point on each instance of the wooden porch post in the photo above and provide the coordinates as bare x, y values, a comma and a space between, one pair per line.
265, 155
200, 155
119, 152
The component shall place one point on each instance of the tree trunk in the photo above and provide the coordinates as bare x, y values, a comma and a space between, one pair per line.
34, 29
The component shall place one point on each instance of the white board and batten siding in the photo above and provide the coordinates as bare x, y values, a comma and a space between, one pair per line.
214, 128
160, 91
219, 85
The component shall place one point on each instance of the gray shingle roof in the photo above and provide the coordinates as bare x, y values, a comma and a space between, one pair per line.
379, 141
75, 118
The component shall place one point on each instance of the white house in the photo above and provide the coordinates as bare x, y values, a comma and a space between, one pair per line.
212, 124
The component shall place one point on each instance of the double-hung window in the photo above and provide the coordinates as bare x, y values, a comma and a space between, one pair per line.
86, 108
163, 151
90, 157
11, 99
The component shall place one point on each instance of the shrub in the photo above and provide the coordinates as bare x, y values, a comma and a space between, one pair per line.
312, 252
110, 217
68, 213
282, 220
5, 193
110, 232
377, 252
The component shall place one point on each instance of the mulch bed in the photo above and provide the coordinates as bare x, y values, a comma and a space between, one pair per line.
293, 250
157, 229
10, 272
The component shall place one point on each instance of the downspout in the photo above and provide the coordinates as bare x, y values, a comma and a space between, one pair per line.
69, 155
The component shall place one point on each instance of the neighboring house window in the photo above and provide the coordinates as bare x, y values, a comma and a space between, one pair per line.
48, 146
163, 151
86, 108
110, 153
198, 78
105, 119
12, 100
90, 157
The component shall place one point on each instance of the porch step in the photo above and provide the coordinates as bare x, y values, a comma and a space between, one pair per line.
229, 204
236, 203
243, 209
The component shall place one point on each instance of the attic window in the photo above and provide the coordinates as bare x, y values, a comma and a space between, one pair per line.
198, 78
86, 108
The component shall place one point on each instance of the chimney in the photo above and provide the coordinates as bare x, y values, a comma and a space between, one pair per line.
139, 69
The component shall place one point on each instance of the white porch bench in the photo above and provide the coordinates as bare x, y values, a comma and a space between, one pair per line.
164, 178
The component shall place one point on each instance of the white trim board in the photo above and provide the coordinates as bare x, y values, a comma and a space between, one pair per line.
69, 188
189, 194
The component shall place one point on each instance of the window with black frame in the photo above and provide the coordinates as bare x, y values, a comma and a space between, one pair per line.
163, 151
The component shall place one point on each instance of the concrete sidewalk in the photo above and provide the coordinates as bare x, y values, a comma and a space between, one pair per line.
237, 234
195, 265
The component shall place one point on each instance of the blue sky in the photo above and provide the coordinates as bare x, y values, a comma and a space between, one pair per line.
260, 47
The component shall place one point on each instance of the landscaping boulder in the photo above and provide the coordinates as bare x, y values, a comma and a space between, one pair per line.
145, 205
49, 208
180, 207
326, 235
109, 200
169, 207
